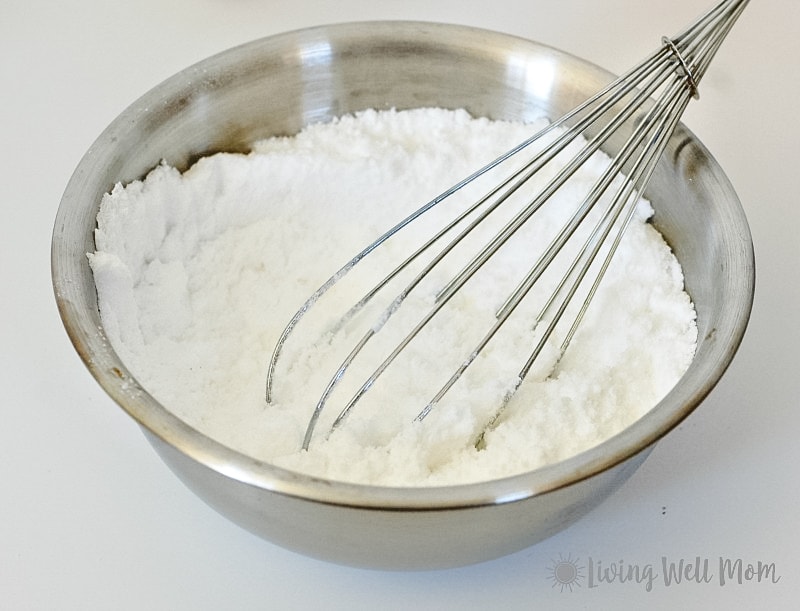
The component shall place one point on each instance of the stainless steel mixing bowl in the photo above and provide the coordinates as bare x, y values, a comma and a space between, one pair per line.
277, 85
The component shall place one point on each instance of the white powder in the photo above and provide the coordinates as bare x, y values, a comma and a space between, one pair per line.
197, 275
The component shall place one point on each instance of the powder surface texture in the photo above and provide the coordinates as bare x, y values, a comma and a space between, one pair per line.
198, 273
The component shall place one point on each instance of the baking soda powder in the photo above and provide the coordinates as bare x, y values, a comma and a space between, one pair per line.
198, 273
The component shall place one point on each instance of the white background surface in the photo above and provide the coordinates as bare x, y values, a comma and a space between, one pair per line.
91, 519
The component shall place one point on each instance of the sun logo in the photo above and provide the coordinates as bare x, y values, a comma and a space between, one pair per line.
565, 573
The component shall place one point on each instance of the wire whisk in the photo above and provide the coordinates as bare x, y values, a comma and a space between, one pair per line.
645, 105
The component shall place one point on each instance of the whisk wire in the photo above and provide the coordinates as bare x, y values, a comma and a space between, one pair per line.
665, 119
622, 85
605, 101
655, 80
625, 199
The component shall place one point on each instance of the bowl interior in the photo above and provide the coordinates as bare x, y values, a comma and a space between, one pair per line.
277, 85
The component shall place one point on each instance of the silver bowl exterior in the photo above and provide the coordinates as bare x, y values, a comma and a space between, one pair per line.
277, 85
